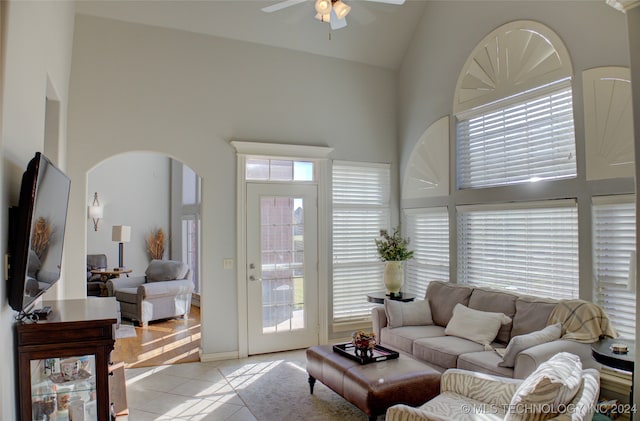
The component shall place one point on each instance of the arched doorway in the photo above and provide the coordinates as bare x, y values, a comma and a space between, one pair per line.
146, 192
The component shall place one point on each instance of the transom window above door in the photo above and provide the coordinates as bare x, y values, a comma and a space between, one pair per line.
261, 169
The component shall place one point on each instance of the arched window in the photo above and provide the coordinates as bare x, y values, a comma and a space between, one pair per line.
514, 109
514, 125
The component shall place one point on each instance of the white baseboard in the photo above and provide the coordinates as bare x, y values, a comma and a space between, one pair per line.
219, 356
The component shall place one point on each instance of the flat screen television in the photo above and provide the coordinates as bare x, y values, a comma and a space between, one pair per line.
37, 228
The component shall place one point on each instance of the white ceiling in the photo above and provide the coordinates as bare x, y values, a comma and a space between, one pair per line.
377, 34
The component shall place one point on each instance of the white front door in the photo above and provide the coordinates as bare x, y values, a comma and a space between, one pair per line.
282, 267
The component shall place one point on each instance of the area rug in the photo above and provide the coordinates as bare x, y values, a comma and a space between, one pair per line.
125, 331
276, 388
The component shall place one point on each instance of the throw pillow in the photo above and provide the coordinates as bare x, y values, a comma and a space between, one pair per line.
551, 386
517, 344
532, 314
445, 296
486, 299
477, 326
414, 313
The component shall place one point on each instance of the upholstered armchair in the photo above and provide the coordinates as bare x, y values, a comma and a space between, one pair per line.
164, 292
95, 283
467, 395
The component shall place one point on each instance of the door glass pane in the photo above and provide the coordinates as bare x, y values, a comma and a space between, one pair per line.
282, 242
281, 170
303, 171
257, 169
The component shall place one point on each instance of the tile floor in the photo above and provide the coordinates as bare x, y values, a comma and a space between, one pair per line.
192, 391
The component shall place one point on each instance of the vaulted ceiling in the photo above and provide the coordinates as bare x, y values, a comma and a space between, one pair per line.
377, 33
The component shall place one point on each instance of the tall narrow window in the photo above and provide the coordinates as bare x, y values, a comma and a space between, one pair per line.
529, 248
186, 202
428, 231
614, 246
190, 241
360, 210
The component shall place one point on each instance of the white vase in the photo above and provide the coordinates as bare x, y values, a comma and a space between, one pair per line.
393, 276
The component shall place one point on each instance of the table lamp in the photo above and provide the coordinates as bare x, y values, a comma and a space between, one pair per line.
121, 234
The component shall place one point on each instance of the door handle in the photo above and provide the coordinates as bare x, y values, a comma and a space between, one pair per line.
253, 278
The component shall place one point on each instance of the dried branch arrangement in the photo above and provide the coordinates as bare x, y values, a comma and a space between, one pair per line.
156, 240
41, 236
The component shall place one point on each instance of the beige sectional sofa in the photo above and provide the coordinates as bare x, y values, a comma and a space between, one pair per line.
431, 343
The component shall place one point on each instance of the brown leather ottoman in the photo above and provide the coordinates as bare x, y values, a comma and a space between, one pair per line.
373, 387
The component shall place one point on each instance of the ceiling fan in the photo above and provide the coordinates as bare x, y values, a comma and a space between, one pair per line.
333, 12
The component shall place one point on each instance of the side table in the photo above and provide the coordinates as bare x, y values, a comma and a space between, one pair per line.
603, 354
105, 275
379, 297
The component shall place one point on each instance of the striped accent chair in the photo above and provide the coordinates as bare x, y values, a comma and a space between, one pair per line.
558, 390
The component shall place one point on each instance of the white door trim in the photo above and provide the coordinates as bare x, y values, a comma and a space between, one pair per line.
319, 155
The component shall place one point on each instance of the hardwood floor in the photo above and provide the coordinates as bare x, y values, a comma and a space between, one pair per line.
170, 341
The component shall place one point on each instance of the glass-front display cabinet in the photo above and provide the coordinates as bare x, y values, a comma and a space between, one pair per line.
63, 362
64, 389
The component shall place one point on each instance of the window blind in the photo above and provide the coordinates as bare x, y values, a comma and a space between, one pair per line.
528, 141
529, 248
361, 194
614, 225
428, 231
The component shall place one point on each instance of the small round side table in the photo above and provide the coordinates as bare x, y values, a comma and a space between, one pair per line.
379, 297
603, 354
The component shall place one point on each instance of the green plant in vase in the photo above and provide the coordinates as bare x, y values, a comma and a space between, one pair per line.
393, 249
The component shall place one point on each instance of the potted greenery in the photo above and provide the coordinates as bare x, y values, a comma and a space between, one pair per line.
393, 250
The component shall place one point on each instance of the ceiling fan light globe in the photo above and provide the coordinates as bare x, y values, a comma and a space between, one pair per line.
341, 8
323, 18
323, 6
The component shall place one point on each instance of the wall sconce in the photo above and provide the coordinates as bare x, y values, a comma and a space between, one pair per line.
96, 211
121, 234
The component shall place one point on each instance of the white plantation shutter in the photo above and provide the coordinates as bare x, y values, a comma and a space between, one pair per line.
529, 248
428, 232
361, 194
527, 141
614, 244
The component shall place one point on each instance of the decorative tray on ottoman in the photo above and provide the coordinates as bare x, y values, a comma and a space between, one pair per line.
380, 353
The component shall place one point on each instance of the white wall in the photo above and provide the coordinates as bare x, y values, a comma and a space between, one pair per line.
37, 40
134, 189
151, 89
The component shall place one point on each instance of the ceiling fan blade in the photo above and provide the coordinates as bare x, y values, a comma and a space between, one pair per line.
397, 2
282, 5
335, 22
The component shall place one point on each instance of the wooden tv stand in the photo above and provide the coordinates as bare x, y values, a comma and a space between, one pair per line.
82, 329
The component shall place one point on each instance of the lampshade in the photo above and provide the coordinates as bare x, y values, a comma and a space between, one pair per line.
323, 6
96, 212
341, 9
121, 233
